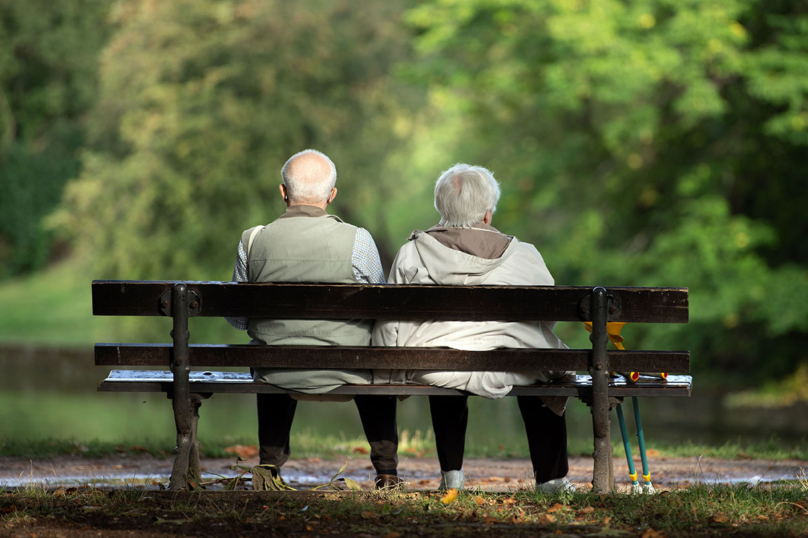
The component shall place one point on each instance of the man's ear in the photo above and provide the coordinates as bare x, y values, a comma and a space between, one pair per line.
331, 196
487, 217
284, 195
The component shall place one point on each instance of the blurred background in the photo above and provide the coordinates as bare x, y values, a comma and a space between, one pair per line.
642, 142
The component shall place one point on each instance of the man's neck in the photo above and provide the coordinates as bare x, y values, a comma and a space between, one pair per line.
321, 205
304, 210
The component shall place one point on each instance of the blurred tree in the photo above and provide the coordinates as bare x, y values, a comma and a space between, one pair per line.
48, 80
652, 142
203, 101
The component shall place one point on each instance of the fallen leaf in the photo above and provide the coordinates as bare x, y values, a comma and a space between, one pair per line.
652, 453
309, 528
509, 500
651, 533
545, 519
606, 520
588, 510
479, 500
242, 451
490, 520
450, 496
515, 520
359, 450
742, 456
137, 448
370, 515
59, 492
718, 518
555, 508
393, 534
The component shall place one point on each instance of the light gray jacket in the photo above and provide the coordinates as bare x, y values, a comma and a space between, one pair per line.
424, 260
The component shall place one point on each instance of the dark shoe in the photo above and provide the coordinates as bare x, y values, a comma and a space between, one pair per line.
388, 481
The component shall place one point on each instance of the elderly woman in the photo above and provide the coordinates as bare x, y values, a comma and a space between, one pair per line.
464, 249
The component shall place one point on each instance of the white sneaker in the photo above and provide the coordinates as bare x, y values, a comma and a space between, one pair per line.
452, 480
559, 485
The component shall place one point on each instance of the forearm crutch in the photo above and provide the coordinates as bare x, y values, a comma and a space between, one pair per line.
613, 330
632, 473
647, 487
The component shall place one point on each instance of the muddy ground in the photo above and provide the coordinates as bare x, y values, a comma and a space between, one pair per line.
419, 473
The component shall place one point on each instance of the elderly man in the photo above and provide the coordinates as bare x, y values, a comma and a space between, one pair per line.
464, 249
306, 244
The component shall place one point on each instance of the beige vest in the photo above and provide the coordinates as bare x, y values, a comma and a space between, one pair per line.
305, 245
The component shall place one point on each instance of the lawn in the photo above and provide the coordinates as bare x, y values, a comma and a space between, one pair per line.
702, 510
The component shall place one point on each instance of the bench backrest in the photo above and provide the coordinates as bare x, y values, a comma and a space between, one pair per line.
341, 301
346, 301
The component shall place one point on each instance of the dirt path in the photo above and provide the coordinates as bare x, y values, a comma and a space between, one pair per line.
420, 473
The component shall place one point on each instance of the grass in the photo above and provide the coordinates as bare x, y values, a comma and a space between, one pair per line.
703, 510
53, 306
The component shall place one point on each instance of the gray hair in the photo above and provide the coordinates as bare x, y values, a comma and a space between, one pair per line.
464, 193
309, 179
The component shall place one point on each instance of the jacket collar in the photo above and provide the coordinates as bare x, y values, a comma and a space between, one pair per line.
303, 211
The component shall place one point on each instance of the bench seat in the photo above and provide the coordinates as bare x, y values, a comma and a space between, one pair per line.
210, 382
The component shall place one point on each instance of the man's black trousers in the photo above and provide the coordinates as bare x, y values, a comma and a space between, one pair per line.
378, 414
546, 434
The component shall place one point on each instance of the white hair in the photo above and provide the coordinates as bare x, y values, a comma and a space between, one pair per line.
464, 193
310, 181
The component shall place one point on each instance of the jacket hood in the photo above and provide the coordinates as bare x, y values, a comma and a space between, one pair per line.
449, 267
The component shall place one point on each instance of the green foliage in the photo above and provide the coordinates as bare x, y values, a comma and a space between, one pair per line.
202, 102
646, 143
32, 185
48, 71
649, 143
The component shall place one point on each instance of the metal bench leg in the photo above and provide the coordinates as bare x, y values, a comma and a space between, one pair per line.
181, 397
647, 487
632, 473
194, 462
600, 391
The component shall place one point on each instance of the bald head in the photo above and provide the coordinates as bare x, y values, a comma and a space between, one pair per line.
309, 177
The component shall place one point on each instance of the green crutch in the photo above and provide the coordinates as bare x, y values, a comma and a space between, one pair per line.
613, 330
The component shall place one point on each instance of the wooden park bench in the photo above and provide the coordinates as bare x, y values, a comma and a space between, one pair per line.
184, 300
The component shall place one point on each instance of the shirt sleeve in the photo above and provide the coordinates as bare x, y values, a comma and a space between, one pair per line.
367, 266
240, 275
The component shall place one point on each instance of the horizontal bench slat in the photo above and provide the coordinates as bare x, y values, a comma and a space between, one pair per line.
410, 358
344, 301
240, 383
